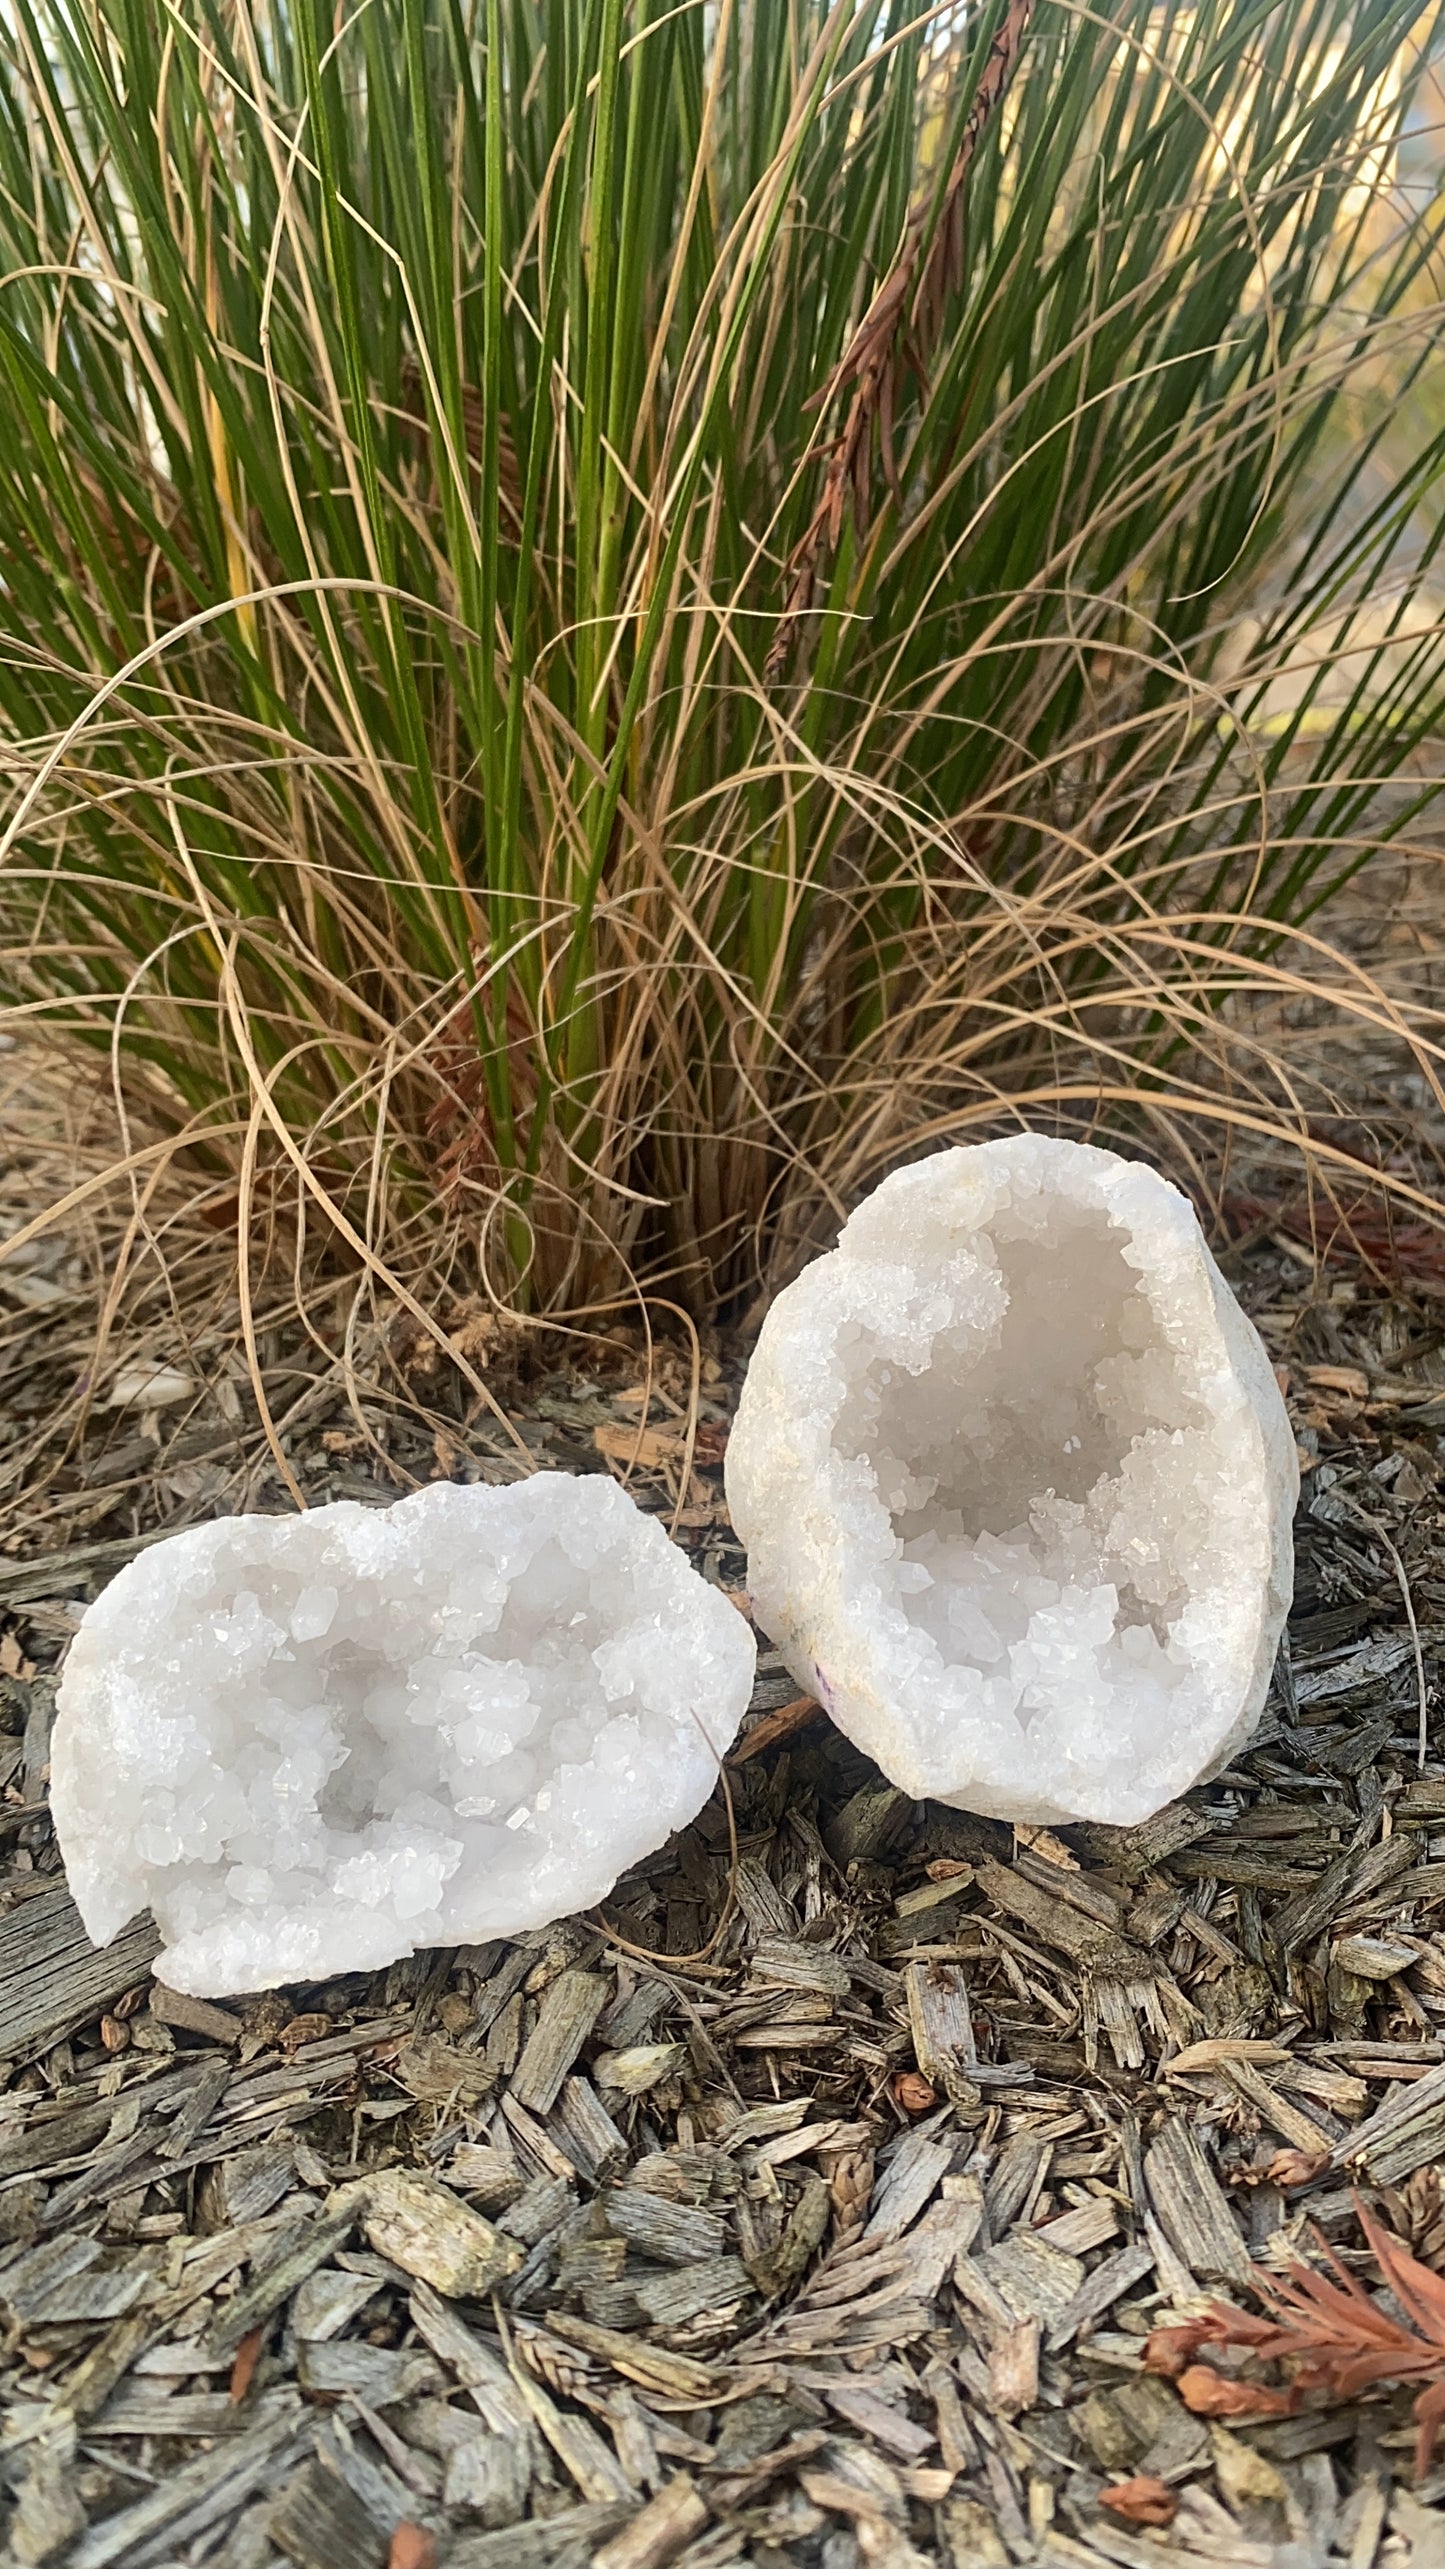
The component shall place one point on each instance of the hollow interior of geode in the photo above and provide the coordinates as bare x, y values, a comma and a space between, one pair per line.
1050, 1480
372, 1733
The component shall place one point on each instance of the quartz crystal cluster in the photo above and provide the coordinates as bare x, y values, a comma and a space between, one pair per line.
312, 1744
1016, 1484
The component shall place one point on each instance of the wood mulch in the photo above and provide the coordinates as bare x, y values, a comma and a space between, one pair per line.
838, 2246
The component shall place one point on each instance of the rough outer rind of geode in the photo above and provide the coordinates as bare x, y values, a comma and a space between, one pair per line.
312, 1744
1016, 1484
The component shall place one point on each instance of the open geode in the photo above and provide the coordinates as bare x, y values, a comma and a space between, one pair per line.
1016, 1484
311, 1744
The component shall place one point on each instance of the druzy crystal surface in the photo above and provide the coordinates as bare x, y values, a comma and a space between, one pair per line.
1016, 1484
311, 1744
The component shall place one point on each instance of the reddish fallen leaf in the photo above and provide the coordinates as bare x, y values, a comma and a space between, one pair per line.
1212, 2394
412, 2547
244, 2365
1338, 2338
1143, 2501
912, 2091
1168, 2350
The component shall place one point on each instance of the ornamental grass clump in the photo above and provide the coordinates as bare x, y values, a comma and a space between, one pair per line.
618, 614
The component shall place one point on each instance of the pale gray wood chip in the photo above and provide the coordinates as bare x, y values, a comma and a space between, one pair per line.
1405, 2133
328, 2301
1013, 2369
489, 2175
196, 2111
1012, 2179
1037, 2281
1177, 2282
378, 2374
653, 2368
1099, 2291
665, 2526
477, 2366
715, 2284
538, 2147
67, 2280
1060, 1924
49, 2514
586, 2130
915, 2171
785, 1963
582, 2452
945, 2233
675, 2234
387, 2498
878, 2418
1084, 2226
488, 2476
565, 2541
48, 2141
1192, 2211
940, 2020
247, 2184
321, 2524
105, 2364
190, 2413
306, 2245
1290, 2121
538, 2210
420, 2225
569, 2009
52, 1978
205, 2492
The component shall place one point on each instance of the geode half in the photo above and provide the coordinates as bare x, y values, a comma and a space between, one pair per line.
311, 1744
1016, 1484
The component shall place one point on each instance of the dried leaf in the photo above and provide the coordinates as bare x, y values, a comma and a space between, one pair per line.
1141, 2501
913, 2092
244, 2364
1212, 2394
1341, 2339
412, 2547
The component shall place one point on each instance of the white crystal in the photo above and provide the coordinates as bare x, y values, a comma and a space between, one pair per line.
1016, 1484
310, 1744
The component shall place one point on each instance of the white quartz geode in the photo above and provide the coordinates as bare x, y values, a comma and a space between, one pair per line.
311, 1744
1016, 1484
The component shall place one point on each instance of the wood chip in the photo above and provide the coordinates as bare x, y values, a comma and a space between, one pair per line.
1405, 2133
52, 1978
1190, 2205
427, 2230
665, 2526
320, 2524
941, 2022
1013, 2369
1099, 2291
569, 2009
655, 2368
673, 2233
